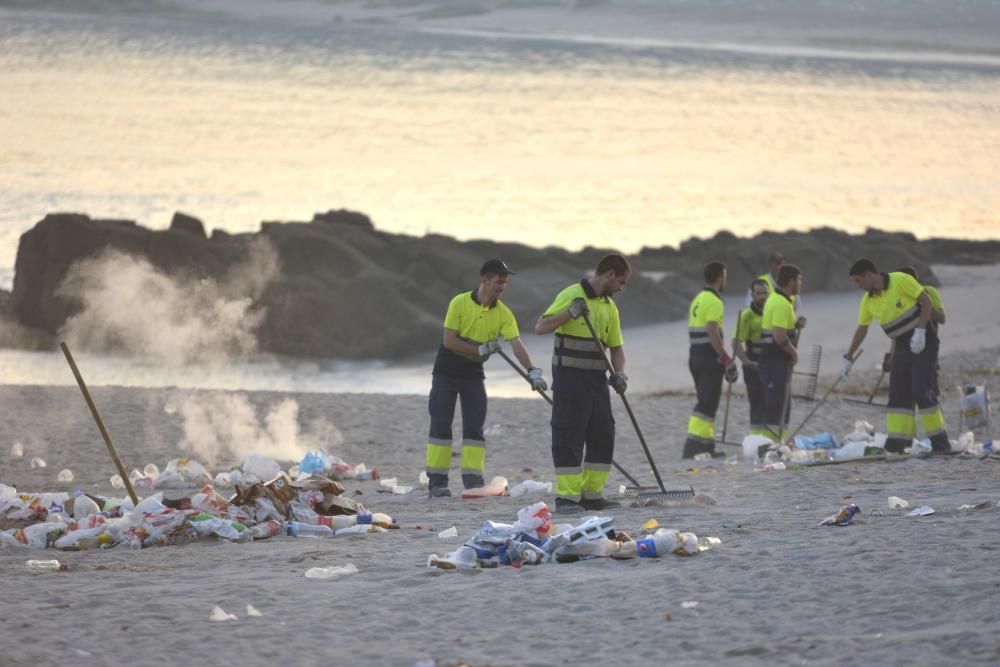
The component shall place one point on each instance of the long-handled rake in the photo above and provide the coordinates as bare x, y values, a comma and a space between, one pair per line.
729, 394
823, 400
542, 393
871, 397
644, 495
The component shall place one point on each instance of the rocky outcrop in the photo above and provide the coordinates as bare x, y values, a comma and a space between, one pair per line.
345, 289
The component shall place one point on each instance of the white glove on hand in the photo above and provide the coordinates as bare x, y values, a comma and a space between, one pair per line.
537, 381
619, 381
488, 348
918, 340
845, 366
578, 308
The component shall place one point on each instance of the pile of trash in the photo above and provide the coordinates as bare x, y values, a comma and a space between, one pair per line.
862, 442
188, 473
533, 540
312, 506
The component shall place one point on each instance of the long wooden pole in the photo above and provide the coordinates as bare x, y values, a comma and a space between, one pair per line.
100, 423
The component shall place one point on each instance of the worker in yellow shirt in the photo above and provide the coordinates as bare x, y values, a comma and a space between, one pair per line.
747, 346
471, 326
903, 308
937, 320
707, 360
779, 354
583, 426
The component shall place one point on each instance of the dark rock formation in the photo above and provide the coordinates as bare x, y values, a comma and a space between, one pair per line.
348, 290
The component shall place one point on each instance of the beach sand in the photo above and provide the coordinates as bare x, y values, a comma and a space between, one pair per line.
888, 589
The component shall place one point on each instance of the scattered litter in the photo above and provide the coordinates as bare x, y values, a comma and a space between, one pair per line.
689, 604
652, 524
923, 510
37, 462
117, 482
708, 543
986, 504
16, 450
219, 614
449, 532
252, 611
45, 565
422, 479
65, 475
533, 540
530, 487
331, 572
843, 517
320, 463
897, 503
496, 487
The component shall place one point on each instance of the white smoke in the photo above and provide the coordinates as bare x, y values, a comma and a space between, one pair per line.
129, 306
223, 427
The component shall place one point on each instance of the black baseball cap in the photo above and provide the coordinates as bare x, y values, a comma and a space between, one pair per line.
495, 266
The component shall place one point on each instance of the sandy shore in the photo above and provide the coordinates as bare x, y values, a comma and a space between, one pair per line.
887, 590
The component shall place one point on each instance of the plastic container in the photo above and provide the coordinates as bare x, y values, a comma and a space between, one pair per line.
84, 506
331, 572
530, 487
45, 565
265, 530
299, 529
660, 543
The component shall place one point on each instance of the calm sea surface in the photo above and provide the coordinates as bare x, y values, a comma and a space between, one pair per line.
536, 141
543, 142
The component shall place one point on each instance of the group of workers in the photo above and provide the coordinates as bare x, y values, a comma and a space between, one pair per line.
589, 357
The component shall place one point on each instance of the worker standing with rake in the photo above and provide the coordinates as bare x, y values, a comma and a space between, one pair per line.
583, 427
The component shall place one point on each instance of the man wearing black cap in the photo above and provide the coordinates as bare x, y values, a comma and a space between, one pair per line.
474, 321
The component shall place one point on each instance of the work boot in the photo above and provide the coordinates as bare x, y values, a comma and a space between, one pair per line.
472, 481
598, 504
567, 506
439, 492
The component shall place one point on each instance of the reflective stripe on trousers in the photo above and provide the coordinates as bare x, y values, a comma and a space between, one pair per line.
445, 391
707, 373
912, 385
583, 443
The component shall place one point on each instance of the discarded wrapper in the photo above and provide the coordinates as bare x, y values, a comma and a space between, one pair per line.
843, 517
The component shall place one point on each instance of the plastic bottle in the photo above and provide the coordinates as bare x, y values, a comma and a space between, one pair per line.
263, 531
299, 529
708, 543
331, 572
84, 506
530, 487
660, 543
44, 565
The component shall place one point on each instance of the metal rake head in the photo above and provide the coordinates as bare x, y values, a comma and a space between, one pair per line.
652, 495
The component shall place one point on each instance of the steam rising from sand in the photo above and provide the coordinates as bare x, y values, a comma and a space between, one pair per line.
130, 306
223, 427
